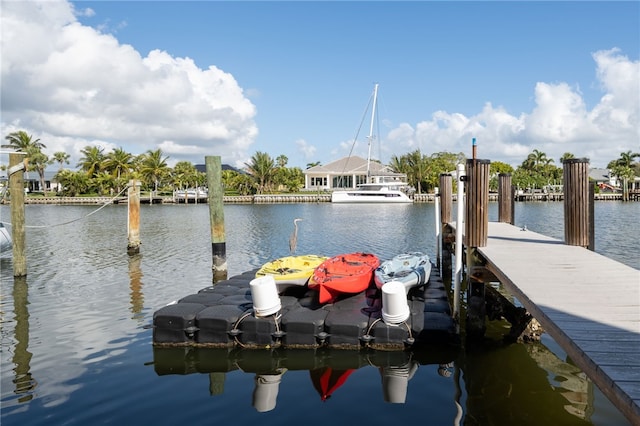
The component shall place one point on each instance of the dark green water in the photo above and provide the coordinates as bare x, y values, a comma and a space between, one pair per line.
76, 343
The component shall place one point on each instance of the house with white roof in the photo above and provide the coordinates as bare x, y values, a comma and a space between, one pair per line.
346, 173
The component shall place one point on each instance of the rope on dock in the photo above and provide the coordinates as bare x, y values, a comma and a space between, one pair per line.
75, 220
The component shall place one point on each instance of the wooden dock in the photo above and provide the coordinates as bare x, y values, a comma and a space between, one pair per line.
588, 303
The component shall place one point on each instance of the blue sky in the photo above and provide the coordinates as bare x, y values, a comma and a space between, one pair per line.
294, 78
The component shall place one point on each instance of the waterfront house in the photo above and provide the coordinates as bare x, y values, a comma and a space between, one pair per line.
347, 172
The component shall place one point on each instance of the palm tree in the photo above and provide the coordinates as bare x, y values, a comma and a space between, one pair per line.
261, 167
119, 163
21, 141
38, 161
153, 166
61, 158
566, 156
92, 160
623, 168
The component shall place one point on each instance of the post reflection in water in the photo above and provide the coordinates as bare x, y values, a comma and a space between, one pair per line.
135, 285
24, 382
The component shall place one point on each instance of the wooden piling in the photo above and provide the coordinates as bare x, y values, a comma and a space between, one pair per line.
446, 202
133, 218
506, 199
477, 205
476, 235
446, 192
576, 201
16, 189
216, 217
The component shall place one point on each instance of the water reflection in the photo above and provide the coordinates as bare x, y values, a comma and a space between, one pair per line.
23, 380
500, 390
328, 369
135, 278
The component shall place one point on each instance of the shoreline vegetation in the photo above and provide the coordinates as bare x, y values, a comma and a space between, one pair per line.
309, 197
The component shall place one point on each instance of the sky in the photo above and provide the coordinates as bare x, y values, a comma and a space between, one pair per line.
294, 78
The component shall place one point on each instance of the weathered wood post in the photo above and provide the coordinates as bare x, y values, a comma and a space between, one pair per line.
133, 217
446, 201
505, 199
216, 217
576, 201
16, 187
476, 235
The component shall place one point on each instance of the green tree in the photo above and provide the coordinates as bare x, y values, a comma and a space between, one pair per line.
38, 162
153, 167
61, 158
262, 169
624, 169
282, 160
119, 163
23, 142
92, 160
566, 156
185, 175
73, 183
495, 169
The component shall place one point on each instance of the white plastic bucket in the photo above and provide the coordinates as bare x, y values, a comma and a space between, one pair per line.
265, 296
395, 308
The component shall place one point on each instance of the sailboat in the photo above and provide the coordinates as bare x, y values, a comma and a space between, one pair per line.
378, 188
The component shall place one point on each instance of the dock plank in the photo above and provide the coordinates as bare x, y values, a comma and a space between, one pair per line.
588, 303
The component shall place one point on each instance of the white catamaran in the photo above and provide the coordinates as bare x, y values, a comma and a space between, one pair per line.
379, 188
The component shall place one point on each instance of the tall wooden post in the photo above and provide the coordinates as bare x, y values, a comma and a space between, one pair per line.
576, 201
133, 218
476, 235
446, 192
446, 201
16, 188
477, 218
216, 217
505, 199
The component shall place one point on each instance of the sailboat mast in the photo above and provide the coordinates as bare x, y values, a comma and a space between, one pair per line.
373, 115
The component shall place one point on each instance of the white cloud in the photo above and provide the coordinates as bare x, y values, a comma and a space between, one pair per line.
308, 151
87, 88
559, 123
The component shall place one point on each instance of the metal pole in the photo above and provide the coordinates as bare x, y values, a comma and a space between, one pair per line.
459, 242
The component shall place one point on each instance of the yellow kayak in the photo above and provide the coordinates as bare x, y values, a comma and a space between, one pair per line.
291, 270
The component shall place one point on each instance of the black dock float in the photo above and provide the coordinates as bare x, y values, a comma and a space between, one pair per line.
221, 316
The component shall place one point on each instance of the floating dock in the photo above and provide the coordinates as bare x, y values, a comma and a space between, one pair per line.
222, 316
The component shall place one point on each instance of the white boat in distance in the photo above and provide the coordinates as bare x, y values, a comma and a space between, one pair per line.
191, 194
378, 188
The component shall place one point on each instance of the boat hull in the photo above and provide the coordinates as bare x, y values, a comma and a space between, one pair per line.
6, 243
411, 269
343, 274
370, 196
291, 271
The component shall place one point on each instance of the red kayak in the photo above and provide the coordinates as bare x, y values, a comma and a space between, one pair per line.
345, 273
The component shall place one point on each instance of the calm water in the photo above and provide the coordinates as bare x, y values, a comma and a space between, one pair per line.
76, 346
